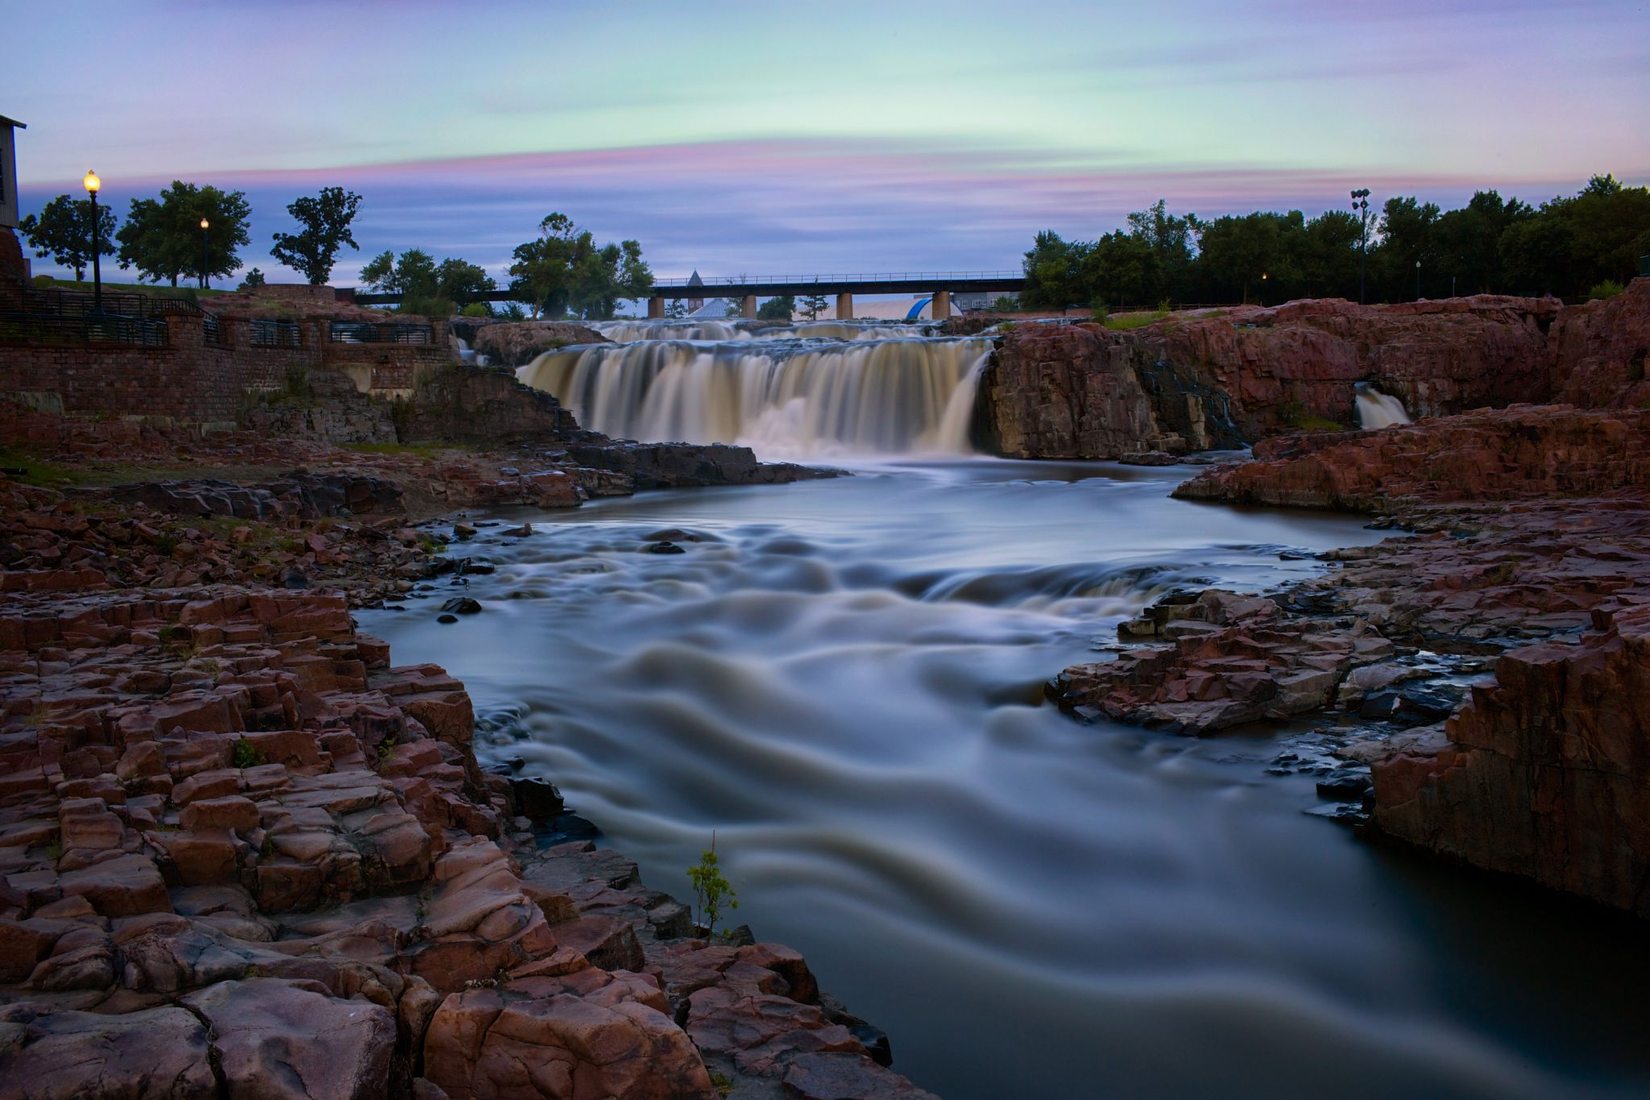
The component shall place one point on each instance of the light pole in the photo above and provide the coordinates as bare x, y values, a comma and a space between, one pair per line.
1360, 203
1417, 280
93, 184
205, 225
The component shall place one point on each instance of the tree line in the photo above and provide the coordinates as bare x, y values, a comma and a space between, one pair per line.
191, 231
195, 231
1574, 246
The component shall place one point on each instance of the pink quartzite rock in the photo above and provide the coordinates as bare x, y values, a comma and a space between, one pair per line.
1546, 772
290, 1041
50, 1055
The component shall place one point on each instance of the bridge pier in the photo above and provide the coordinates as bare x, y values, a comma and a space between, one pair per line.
845, 306
655, 309
747, 307
941, 306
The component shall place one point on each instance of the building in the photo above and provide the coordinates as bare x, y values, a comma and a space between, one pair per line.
8, 171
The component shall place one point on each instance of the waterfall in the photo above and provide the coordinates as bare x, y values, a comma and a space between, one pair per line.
628, 332
782, 398
1377, 409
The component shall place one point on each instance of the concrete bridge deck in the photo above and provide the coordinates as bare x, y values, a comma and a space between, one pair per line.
748, 288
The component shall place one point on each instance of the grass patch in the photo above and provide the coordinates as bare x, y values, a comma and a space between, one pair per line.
40, 471
48, 282
1128, 321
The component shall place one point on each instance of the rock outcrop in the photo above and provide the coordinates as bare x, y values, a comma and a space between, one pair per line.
1545, 772
1504, 454
242, 854
517, 343
1218, 378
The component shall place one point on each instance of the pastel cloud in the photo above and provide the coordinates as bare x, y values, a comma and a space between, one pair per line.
863, 135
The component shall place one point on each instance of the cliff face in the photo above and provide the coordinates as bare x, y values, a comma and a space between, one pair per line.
1495, 454
1225, 377
1543, 772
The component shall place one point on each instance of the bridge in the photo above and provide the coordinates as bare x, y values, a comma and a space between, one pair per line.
748, 288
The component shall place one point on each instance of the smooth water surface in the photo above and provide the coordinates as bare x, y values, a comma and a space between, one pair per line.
843, 678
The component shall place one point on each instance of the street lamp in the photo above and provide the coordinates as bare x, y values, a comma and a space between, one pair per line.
1360, 203
1417, 280
93, 185
205, 225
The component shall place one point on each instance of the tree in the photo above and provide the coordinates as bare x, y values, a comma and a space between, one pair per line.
63, 231
253, 280
462, 282
164, 240
1054, 272
777, 309
1408, 238
1172, 241
1469, 241
325, 219
564, 271
812, 306
1120, 269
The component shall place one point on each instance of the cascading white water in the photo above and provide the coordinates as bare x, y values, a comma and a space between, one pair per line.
783, 398
1377, 409
629, 332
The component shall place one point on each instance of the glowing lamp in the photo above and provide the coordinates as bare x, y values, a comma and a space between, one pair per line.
92, 183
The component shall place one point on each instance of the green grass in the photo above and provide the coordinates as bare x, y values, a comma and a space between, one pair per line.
1128, 321
41, 472
47, 282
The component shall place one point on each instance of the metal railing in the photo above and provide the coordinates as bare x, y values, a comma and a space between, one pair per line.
369, 332
214, 333
839, 277
273, 334
106, 330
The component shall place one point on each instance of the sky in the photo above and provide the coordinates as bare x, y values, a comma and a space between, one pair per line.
765, 139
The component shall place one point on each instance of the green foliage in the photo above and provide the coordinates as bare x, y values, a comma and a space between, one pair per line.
325, 221
1565, 247
812, 306
512, 311
1005, 303
164, 240
477, 309
565, 272
710, 889
254, 279
1609, 288
63, 231
246, 754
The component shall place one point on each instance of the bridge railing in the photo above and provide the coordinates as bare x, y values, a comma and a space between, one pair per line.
840, 277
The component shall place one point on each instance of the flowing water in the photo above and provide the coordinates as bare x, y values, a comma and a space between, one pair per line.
1377, 409
842, 679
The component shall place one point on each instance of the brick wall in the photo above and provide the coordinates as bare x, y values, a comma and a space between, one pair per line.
204, 385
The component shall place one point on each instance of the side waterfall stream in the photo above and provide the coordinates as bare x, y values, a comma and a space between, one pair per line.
843, 678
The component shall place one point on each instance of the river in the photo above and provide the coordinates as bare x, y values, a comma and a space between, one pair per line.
842, 680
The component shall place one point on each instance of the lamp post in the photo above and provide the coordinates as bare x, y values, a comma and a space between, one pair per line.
1360, 203
93, 184
1417, 280
1263, 277
205, 225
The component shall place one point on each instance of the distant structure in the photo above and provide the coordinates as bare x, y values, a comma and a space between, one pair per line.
8, 171
694, 304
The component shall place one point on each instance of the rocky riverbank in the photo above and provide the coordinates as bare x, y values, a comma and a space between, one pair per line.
1226, 377
1478, 685
240, 851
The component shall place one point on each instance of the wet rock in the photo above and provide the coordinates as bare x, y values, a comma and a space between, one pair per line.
536, 798
446, 618
663, 548
462, 605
